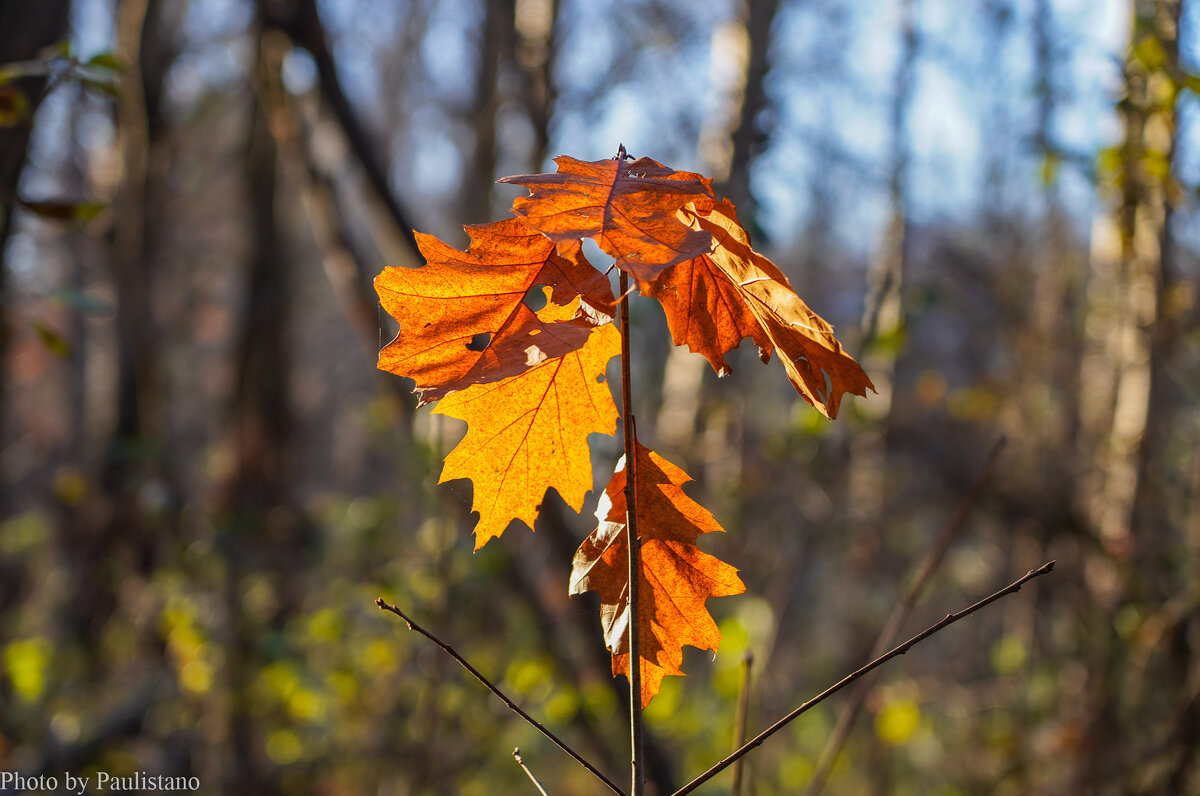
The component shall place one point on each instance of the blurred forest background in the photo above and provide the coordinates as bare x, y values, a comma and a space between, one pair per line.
206, 483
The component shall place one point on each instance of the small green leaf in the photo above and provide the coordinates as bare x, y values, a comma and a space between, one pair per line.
26, 663
898, 722
1050, 168
55, 343
60, 49
1150, 53
65, 211
1110, 163
108, 61
1008, 654
1156, 163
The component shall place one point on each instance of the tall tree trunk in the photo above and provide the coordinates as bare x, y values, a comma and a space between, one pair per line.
497, 44
883, 319
262, 529
730, 139
537, 25
1130, 420
25, 30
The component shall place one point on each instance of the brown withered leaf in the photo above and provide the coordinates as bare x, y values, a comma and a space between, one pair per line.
528, 433
628, 206
463, 317
715, 300
676, 576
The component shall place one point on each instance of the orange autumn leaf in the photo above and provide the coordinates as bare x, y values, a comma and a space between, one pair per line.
463, 317
528, 433
676, 576
732, 292
628, 206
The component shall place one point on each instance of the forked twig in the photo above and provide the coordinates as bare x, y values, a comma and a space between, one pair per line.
950, 619
900, 613
513, 706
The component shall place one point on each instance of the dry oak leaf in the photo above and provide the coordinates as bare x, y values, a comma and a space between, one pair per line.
629, 207
529, 432
676, 576
461, 298
715, 300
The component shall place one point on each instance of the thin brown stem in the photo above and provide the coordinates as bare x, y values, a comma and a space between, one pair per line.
950, 619
513, 706
900, 613
638, 776
739, 733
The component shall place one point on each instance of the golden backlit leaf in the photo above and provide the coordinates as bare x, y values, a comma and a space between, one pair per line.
676, 576
528, 433
732, 292
463, 317
628, 206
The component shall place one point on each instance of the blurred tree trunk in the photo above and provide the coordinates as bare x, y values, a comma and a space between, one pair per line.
730, 139
134, 456
140, 501
262, 532
749, 95
883, 325
1129, 500
301, 21
537, 24
25, 30
496, 49
1151, 521
392, 228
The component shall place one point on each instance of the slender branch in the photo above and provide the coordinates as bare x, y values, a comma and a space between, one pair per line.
528, 773
900, 613
636, 732
384, 606
739, 733
950, 619
307, 30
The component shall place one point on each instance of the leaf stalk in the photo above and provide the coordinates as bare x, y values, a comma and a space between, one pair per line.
636, 732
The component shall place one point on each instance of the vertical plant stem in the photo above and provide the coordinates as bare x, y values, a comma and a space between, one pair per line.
637, 787
739, 732
636, 755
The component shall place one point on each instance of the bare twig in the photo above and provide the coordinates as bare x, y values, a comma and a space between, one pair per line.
636, 733
384, 606
950, 619
739, 733
528, 773
900, 613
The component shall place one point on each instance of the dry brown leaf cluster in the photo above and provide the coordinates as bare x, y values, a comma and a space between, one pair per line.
530, 384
